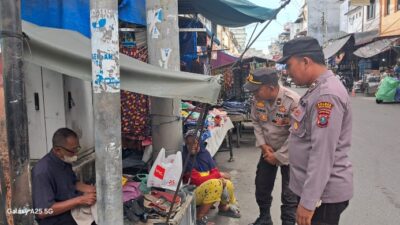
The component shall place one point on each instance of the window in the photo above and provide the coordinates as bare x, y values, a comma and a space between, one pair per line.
387, 7
398, 5
371, 10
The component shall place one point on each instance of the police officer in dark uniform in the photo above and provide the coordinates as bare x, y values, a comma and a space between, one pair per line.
270, 114
320, 140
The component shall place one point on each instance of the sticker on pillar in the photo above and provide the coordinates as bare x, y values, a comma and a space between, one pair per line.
154, 16
105, 52
165, 55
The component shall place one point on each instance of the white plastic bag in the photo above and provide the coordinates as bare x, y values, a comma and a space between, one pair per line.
165, 172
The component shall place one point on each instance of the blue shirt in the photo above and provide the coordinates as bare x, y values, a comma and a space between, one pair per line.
53, 181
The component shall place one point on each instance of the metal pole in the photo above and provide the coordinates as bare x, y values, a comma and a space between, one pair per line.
14, 145
199, 127
163, 47
107, 111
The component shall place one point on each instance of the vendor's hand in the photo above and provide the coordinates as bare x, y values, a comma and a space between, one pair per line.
90, 189
303, 215
87, 199
225, 175
85, 188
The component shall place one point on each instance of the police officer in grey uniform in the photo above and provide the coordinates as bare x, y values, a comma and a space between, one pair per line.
270, 113
320, 140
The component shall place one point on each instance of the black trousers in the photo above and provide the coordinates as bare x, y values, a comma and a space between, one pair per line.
265, 180
329, 213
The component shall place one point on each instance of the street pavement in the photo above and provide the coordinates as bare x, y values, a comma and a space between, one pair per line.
376, 160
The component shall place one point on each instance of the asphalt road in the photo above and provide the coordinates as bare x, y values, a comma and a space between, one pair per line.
376, 159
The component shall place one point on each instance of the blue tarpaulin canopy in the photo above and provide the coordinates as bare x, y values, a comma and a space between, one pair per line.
74, 14
229, 13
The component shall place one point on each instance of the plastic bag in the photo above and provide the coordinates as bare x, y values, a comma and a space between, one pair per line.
165, 172
387, 89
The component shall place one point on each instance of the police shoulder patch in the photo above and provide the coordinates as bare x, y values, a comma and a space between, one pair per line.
324, 111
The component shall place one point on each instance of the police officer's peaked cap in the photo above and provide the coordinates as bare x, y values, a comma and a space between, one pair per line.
261, 76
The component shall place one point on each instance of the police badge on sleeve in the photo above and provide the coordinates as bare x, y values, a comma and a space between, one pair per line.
324, 111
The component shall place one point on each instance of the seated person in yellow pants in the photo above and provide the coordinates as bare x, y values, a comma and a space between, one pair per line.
212, 191
212, 185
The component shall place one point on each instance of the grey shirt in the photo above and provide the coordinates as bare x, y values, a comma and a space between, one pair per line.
271, 122
319, 143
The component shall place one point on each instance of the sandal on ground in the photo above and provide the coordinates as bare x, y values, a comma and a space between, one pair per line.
204, 221
232, 211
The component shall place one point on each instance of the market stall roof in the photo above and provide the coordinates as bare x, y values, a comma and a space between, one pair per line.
229, 13
222, 60
375, 48
69, 53
334, 46
365, 37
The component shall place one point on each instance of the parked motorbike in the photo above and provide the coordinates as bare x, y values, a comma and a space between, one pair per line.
287, 81
345, 81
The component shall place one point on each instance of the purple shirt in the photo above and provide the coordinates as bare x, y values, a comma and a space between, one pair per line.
319, 143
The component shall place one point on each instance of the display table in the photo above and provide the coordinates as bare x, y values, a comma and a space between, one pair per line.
218, 134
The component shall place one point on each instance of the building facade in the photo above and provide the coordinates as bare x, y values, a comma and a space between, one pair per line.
359, 18
228, 40
240, 36
323, 23
390, 17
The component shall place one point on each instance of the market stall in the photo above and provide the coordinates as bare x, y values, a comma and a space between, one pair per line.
218, 126
68, 53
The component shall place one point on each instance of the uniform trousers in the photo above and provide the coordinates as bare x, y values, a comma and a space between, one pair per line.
265, 181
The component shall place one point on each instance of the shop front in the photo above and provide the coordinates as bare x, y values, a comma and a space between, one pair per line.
59, 94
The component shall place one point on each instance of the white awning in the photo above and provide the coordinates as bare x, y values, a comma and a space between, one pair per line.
334, 46
69, 53
375, 48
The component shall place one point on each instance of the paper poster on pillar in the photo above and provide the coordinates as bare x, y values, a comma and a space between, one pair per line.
105, 52
154, 16
165, 55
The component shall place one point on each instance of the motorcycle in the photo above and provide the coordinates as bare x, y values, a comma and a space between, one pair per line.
345, 81
287, 81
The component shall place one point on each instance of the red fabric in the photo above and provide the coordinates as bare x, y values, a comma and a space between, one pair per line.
197, 179
135, 108
135, 111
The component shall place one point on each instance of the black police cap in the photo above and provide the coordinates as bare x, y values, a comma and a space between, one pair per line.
301, 45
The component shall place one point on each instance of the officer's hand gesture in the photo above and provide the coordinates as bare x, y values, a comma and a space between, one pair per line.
268, 154
303, 215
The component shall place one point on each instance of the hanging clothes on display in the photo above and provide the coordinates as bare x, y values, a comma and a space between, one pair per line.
135, 108
135, 115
